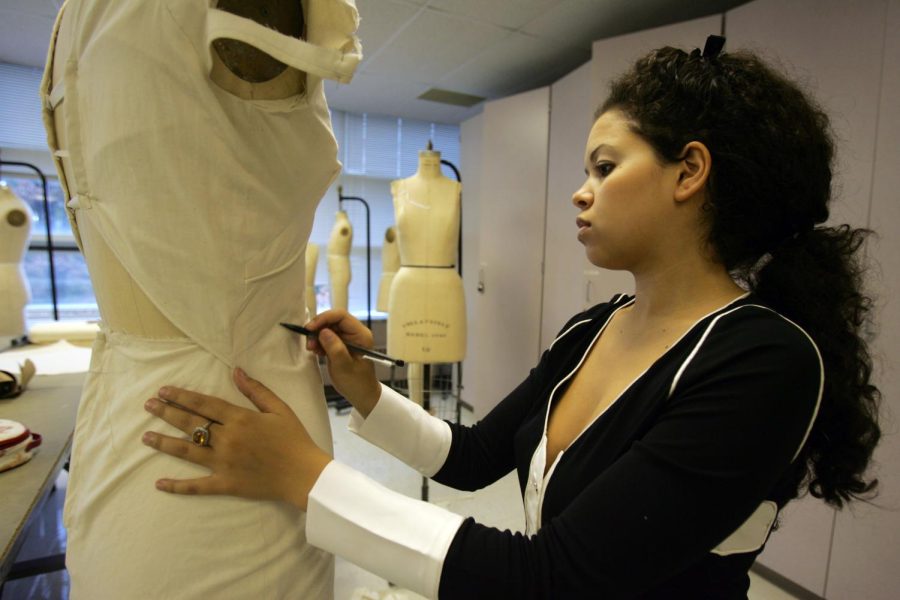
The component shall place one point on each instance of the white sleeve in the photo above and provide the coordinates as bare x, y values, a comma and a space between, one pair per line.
405, 430
389, 534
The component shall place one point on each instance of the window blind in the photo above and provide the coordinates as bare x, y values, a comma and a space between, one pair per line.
21, 125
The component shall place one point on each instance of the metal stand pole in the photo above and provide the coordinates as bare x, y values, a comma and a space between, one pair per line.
459, 261
426, 404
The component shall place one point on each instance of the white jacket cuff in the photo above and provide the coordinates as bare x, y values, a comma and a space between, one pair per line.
388, 534
405, 430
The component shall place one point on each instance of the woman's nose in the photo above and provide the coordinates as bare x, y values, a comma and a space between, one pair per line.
582, 198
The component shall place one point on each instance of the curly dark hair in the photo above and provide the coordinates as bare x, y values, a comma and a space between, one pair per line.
767, 196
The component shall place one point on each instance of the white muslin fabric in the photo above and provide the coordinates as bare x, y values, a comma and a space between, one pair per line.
207, 201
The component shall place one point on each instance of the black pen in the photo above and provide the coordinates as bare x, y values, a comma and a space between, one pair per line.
366, 353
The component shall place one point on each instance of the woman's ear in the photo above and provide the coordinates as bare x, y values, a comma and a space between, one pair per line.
694, 170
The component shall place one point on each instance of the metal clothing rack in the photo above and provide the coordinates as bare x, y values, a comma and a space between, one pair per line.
50, 249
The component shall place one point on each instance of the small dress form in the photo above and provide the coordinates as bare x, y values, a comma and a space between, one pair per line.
390, 263
15, 229
192, 196
427, 309
312, 261
339, 244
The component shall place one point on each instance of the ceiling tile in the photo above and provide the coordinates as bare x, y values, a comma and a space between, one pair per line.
576, 22
25, 38
379, 21
432, 45
584, 20
511, 14
515, 63
376, 94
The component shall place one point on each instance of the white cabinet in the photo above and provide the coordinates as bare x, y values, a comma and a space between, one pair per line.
505, 328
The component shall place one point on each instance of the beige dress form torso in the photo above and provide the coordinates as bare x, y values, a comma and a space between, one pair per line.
15, 229
339, 244
427, 309
191, 195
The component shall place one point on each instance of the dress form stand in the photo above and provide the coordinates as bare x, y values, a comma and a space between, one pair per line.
427, 323
312, 261
15, 229
341, 199
339, 244
54, 296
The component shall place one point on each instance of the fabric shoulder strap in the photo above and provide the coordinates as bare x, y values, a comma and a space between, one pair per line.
329, 63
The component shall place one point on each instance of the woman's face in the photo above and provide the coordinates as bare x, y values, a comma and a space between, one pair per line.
627, 200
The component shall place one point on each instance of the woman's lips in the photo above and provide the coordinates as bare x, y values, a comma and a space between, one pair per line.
583, 226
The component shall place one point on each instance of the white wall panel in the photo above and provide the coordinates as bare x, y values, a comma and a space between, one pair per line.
564, 259
471, 143
864, 559
800, 547
834, 47
504, 338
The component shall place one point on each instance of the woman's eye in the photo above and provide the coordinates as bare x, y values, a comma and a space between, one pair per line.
605, 168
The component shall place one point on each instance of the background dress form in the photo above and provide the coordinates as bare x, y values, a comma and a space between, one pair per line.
390, 263
427, 321
15, 229
312, 261
192, 206
339, 244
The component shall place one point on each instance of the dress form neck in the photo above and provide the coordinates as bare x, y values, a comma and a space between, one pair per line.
429, 164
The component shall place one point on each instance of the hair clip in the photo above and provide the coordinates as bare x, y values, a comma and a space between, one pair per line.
713, 47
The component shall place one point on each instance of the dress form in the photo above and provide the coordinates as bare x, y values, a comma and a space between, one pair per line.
15, 229
390, 263
196, 255
427, 304
339, 244
312, 261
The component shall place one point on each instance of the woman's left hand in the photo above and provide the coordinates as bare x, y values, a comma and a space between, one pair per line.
265, 455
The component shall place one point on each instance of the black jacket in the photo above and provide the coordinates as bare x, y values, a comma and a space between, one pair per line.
672, 468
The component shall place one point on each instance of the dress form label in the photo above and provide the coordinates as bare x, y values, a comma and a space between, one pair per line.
423, 331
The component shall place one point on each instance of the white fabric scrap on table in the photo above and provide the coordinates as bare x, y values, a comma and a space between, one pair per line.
52, 359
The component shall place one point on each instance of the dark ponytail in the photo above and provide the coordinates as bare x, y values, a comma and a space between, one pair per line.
768, 195
826, 301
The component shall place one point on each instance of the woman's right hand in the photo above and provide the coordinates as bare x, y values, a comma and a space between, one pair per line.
351, 374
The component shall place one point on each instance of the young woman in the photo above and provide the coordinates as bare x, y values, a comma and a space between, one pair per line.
660, 434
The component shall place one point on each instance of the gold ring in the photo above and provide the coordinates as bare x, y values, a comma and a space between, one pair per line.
201, 434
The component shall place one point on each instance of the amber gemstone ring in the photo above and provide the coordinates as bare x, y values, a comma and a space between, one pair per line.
201, 434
